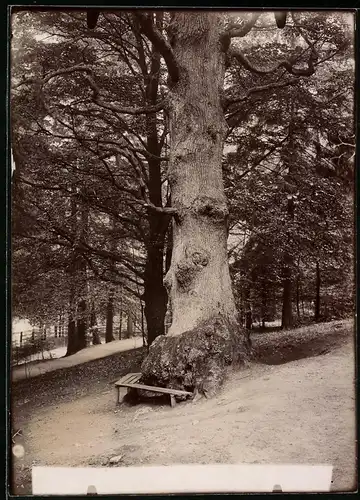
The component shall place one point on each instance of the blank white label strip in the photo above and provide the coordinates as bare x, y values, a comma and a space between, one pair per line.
181, 479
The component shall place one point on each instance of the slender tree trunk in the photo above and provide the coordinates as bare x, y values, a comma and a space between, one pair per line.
77, 277
204, 317
56, 331
60, 323
168, 249
288, 263
72, 346
120, 314
155, 295
298, 296
287, 320
302, 304
248, 319
317, 292
81, 275
81, 324
109, 331
263, 306
93, 324
248, 313
130, 326
21, 338
143, 329
120, 324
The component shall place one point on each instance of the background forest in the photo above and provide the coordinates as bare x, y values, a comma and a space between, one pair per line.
90, 177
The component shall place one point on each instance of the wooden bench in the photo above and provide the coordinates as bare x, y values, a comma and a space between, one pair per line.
130, 382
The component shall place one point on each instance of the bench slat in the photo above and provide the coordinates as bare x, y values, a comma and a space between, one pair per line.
129, 378
151, 388
134, 379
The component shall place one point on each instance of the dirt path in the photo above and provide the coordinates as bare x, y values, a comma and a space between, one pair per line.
298, 412
26, 371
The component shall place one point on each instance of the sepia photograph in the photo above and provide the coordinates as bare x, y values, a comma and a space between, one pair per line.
182, 251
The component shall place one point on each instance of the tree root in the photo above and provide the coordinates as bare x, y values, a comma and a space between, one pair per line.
196, 360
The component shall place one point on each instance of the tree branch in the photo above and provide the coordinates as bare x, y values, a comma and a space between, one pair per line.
241, 30
237, 30
53, 74
160, 43
256, 90
161, 210
287, 64
96, 91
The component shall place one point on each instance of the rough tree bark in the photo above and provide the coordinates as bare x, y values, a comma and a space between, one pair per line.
204, 336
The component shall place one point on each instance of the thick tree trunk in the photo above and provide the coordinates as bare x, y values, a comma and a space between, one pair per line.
201, 339
317, 293
109, 330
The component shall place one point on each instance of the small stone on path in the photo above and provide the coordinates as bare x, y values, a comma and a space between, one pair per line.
116, 459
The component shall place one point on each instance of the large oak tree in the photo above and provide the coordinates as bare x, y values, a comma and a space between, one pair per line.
198, 49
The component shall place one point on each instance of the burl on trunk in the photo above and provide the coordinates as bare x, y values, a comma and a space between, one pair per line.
204, 336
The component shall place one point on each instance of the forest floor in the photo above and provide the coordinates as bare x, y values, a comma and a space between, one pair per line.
294, 405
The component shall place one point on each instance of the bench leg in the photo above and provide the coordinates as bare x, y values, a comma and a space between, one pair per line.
121, 394
172, 401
